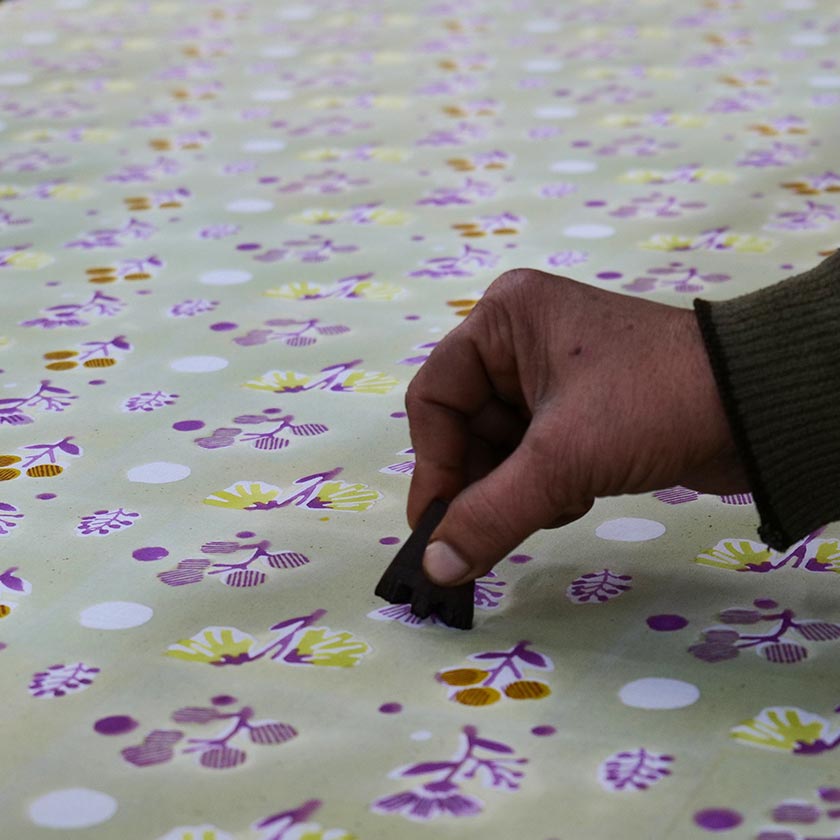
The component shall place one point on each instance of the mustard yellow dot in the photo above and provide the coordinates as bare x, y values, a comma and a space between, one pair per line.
527, 690
44, 471
478, 696
100, 363
7, 474
6, 460
463, 676
61, 365
61, 354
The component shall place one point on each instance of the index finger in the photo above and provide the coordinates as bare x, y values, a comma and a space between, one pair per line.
452, 386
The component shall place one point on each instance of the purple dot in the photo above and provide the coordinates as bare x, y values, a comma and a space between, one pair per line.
542, 731
249, 246
143, 292
188, 425
390, 708
149, 552
765, 603
398, 414
581, 144
511, 245
96, 382
245, 535
830, 794
786, 266
115, 725
718, 819
45, 496
596, 203
53, 283
222, 326
417, 238
222, 700
609, 275
272, 410
666, 623
389, 540
269, 179
520, 558
412, 317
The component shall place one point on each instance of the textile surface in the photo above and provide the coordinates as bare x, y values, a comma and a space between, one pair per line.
230, 232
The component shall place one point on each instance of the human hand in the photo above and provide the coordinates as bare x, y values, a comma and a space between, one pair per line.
550, 394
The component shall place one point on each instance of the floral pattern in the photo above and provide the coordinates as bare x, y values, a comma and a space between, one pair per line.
230, 235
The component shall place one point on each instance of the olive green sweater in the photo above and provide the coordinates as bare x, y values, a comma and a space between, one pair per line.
775, 354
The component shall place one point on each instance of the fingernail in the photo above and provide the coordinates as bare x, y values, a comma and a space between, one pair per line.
443, 564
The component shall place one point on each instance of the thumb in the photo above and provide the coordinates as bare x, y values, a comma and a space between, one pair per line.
492, 516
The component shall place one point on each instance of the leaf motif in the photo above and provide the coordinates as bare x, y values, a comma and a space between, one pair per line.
818, 631
307, 429
533, 658
272, 732
195, 714
69, 448
426, 767
784, 653
493, 746
11, 581
222, 758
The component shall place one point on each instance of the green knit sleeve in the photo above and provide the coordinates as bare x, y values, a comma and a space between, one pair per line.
775, 354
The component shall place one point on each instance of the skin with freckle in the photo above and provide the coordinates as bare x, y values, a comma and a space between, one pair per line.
553, 393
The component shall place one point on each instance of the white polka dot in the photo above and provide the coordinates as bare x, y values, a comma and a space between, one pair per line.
296, 13
198, 364
420, 735
630, 529
270, 95
38, 37
574, 166
250, 205
658, 693
542, 65
115, 615
225, 277
825, 81
555, 112
72, 808
158, 472
263, 145
14, 78
589, 231
279, 51
542, 25
809, 39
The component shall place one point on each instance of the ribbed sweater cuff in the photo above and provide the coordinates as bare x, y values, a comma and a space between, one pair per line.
775, 354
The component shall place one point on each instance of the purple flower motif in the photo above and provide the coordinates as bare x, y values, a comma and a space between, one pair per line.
567, 259
104, 522
464, 265
598, 587
558, 190
219, 231
442, 795
149, 401
634, 770
60, 680
8, 514
74, 314
190, 308
425, 804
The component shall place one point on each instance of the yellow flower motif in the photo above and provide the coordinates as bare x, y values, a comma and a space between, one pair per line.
139, 44
29, 260
278, 381
736, 555
196, 832
666, 242
597, 73
336, 495
98, 135
70, 192
748, 244
9, 191
781, 728
386, 57
322, 103
370, 382
641, 176
714, 176
340, 650
663, 73
390, 154
688, 120
295, 291
317, 216
119, 85
828, 555
243, 494
378, 291
621, 120
321, 154
384, 216
389, 102
5, 342
36, 135
213, 644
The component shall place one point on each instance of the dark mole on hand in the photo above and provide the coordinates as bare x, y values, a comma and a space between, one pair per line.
577, 351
